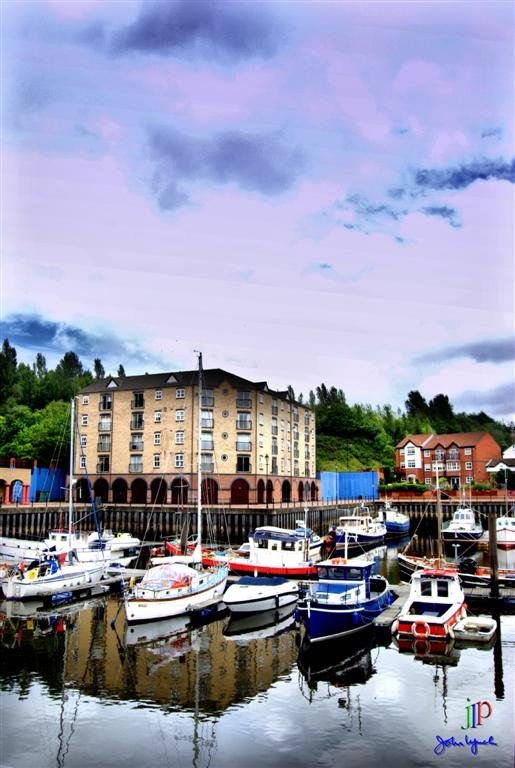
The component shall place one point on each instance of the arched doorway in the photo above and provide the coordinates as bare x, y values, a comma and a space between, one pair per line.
100, 490
158, 491
301, 491
240, 492
180, 491
314, 492
139, 491
260, 492
286, 491
269, 492
209, 491
83, 491
120, 491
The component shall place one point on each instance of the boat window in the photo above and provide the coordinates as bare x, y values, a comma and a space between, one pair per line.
425, 586
442, 588
289, 546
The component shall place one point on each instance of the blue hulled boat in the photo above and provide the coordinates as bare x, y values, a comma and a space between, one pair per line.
344, 600
396, 523
358, 528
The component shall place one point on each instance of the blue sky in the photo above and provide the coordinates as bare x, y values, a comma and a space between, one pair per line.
307, 192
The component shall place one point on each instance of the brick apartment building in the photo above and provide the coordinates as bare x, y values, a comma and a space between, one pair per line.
138, 441
461, 458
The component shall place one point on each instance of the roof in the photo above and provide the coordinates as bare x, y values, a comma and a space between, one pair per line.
460, 439
212, 377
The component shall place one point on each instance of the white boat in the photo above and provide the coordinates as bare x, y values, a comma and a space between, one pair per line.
463, 527
395, 522
436, 602
475, 629
182, 584
505, 532
252, 594
358, 528
56, 573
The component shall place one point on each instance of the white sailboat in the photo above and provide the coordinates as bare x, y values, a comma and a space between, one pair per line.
182, 584
55, 573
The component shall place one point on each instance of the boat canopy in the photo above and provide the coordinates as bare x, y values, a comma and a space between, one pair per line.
270, 532
342, 569
166, 574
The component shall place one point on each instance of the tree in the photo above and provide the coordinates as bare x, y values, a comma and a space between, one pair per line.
8, 367
416, 405
121, 372
40, 366
99, 369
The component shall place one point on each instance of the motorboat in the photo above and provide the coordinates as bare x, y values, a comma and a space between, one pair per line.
463, 527
275, 551
359, 528
252, 594
395, 522
436, 602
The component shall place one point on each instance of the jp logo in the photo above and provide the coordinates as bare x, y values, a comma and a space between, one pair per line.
477, 713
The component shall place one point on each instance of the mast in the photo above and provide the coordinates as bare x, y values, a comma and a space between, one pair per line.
197, 555
438, 517
72, 446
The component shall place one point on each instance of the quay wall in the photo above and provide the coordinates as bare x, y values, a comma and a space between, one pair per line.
230, 525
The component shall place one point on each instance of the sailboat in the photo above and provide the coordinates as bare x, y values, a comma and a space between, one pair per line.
182, 584
55, 573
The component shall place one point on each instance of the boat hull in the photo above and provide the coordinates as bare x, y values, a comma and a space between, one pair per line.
396, 529
17, 587
254, 595
481, 577
243, 566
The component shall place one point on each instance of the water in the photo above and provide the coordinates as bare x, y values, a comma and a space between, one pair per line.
77, 692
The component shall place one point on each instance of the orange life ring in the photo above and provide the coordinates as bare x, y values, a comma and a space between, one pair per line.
420, 630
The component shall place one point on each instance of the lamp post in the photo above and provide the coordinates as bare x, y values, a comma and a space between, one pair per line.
266, 483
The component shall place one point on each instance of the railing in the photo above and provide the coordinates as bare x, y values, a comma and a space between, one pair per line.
138, 403
206, 466
207, 423
133, 468
275, 410
206, 445
105, 405
243, 402
275, 430
246, 446
207, 401
137, 424
104, 447
136, 446
104, 426
102, 468
243, 424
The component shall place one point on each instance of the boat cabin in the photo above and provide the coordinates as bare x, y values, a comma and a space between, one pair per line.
433, 590
279, 542
346, 580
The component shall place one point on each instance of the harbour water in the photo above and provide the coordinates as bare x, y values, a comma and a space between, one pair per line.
79, 688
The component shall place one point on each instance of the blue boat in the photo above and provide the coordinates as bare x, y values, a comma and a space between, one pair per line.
396, 523
345, 599
358, 528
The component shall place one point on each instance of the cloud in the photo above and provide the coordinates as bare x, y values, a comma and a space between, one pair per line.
209, 28
34, 333
259, 163
464, 175
446, 213
488, 351
496, 402
489, 133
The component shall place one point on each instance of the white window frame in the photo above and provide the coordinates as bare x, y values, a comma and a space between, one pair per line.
157, 417
179, 415
427, 467
83, 462
469, 480
427, 454
85, 420
468, 451
157, 438
179, 437
157, 461
85, 399
180, 394
179, 461
158, 394
83, 441
261, 420
427, 480
468, 465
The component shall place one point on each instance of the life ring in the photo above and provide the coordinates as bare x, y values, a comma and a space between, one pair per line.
420, 630
31, 575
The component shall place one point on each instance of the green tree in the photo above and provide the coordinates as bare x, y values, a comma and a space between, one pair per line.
8, 366
99, 369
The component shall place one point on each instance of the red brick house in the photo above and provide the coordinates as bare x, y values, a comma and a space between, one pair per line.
461, 458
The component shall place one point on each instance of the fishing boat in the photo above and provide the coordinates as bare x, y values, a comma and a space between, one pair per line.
184, 584
53, 574
505, 531
275, 551
252, 594
436, 602
358, 528
471, 573
395, 522
345, 599
463, 527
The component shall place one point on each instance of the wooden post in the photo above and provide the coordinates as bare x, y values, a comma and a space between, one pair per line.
492, 546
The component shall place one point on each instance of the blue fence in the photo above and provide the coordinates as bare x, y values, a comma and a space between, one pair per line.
47, 484
339, 486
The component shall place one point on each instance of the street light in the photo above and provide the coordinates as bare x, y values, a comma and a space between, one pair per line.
266, 484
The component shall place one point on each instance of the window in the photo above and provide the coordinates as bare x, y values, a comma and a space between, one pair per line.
275, 428
180, 394
179, 415
261, 441
157, 460
468, 451
85, 420
427, 467
158, 394
137, 421
104, 443
243, 399
104, 425
136, 443
411, 464
243, 421
401, 451
261, 420
179, 437
410, 451
136, 463
138, 400
261, 398
157, 438
208, 399
243, 464
179, 460
260, 461
83, 441
243, 443
106, 402
206, 441
85, 399
427, 480
103, 464
468, 465
207, 421
452, 466
157, 416
427, 454
469, 480
206, 462
83, 462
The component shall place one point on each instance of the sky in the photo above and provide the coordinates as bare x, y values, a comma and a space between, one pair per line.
306, 192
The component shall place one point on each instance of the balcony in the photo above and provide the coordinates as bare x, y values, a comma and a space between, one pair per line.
207, 445
103, 446
207, 466
243, 402
135, 445
243, 446
138, 402
207, 401
275, 430
102, 468
243, 424
105, 405
207, 423
275, 450
104, 425
295, 417
136, 467
275, 410
136, 424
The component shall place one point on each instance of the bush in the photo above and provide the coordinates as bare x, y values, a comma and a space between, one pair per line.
409, 487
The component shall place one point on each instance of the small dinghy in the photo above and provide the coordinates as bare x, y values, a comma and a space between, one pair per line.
478, 629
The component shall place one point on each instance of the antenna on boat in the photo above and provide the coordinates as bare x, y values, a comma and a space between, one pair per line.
438, 517
197, 554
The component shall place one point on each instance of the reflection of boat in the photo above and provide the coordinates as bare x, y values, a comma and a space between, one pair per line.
475, 629
358, 528
435, 603
260, 593
150, 632
396, 523
185, 584
442, 652
277, 551
260, 625
463, 527
344, 600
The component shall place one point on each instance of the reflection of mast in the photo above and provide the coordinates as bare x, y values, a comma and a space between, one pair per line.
436, 678
498, 668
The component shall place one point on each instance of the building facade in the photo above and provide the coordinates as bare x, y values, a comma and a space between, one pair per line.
137, 441
460, 458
